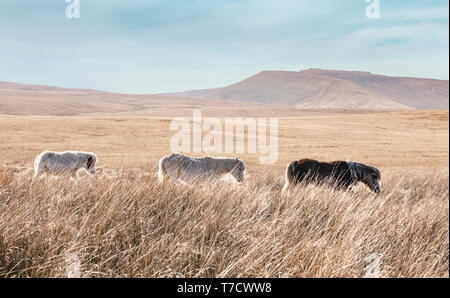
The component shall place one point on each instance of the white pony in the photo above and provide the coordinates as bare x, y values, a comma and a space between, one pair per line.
192, 170
64, 163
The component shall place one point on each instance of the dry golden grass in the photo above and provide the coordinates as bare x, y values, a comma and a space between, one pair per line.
122, 224
390, 141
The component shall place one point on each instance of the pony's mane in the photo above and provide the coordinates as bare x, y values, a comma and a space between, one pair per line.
215, 157
355, 169
220, 158
359, 170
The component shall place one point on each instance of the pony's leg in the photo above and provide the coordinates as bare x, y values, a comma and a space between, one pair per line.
185, 183
38, 176
291, 181
74, 176
167, 176
162, 180
36, 173
162, 173
39, 170
286, 187
39, 173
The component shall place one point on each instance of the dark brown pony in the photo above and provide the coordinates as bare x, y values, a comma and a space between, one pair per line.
342, 174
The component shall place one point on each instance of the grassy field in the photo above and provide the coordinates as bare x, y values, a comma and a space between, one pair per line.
122, 224
390, 141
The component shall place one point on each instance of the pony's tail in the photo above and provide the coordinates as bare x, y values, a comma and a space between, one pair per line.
289, 176
162, 171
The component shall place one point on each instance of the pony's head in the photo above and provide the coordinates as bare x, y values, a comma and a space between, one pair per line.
238, 170
370, 176
91, 159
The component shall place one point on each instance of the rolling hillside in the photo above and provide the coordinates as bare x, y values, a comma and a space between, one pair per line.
317, 88
268, 90
22, 99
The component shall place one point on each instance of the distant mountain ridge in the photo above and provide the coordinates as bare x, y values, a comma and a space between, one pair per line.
308, 90
318, 88
24, 99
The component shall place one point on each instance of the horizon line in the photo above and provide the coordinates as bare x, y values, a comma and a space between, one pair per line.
197, 89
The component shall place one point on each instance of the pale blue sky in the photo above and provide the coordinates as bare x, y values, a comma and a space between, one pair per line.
157, 46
